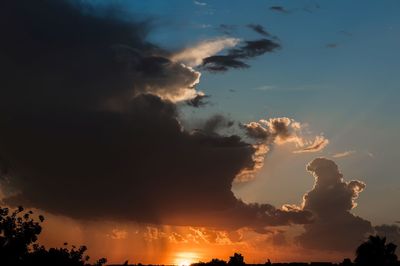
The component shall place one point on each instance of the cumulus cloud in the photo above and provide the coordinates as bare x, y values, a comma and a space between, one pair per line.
193, 56
284, 130
277, 131
90, 127
331, 200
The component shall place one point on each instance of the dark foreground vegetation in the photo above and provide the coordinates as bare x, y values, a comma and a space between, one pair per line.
19, 233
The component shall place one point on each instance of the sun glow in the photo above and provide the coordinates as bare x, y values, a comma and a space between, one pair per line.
186, 258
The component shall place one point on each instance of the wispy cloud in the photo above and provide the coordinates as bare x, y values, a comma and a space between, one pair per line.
259, 29
332, 45
343, 154
319, 143
279, 9
236, 57
268, 87
193, 56
199, 3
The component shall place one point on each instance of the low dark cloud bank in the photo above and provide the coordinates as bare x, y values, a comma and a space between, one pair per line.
89, 127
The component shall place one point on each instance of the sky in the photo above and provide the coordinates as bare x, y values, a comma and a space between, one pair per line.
177, 131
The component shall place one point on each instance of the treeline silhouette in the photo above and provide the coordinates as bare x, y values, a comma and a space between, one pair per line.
19, 233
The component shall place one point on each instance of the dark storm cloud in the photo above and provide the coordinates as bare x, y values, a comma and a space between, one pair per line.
235, 57
331, 199
216, 122
259, 29
88, 129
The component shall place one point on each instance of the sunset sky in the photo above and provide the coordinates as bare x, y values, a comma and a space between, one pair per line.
171, 132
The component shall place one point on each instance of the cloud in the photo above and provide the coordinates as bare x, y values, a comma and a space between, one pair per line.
331, 200
91, 130
199, 3
216, 122
68, 52
235, 57
222, 63
118, 234
259, 29
198, 101
279, 9
278, 131
193, 56
265, 88
343, 154
332, 45
284, 130
319, 143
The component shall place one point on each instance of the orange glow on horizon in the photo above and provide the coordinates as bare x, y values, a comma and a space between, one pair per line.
186, 258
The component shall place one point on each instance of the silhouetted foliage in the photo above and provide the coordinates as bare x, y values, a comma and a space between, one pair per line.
213, 262
236, 259
375, 251
346, 262
18, 234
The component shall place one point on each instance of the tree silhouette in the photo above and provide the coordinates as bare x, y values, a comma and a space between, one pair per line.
236, 259
18, 234
375, 251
